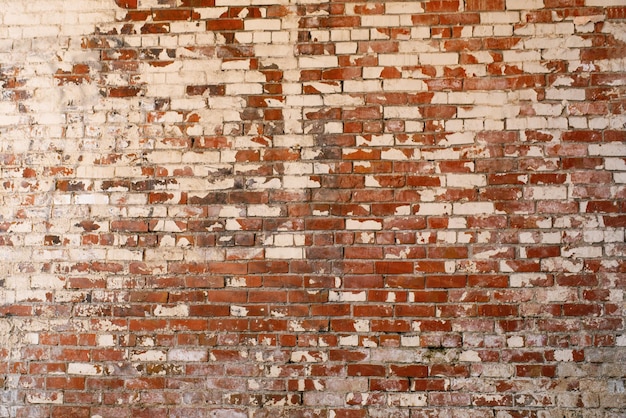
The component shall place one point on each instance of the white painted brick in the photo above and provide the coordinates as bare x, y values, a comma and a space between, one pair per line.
324, 35
609, 150
322, 61
470, 356
421, 32
351, 340
91, 199
565, 94
499, 17
526, 279
300, 182
466, 180
343, 48
413, 126
105, 340
53, 398
407, 399
398, 60
352, 86
482, 31
284, 253
474, 208
546, 192
409, 341
442, 58
84, 369
274, 50
307, 357
171, 311
123, 254
148, 355
619, 177
403, 8
433, 208
582, 252
524, 4
261, 24
47, 282
375, 140
187, 355
243, 89
264, 210
401, 112
356, 224
325, 88
406, 85
305, 100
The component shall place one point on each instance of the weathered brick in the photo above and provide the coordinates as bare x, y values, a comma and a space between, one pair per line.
197, 191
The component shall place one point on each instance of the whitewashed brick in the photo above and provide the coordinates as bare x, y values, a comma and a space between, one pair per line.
261, 24
401, 112
407, 399
609, 150
526, 279
285, 253
85, 369
171, 311
433, 209
380, 21
404, 85
499, 18
361, 86
442, 58
474, 208
318, 62
403, 8
148, 355
398, 60
524, 4
187, 355
355, 224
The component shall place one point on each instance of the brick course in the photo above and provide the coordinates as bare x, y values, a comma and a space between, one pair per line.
312, 208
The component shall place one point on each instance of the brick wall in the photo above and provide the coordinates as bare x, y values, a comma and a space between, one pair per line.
246, 208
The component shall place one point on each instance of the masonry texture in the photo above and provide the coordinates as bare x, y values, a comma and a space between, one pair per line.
312, 208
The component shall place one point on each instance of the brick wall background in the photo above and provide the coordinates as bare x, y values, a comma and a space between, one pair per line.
251, 208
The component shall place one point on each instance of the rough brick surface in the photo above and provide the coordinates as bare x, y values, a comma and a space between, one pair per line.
312, 208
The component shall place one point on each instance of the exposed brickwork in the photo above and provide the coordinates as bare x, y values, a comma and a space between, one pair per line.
312, 208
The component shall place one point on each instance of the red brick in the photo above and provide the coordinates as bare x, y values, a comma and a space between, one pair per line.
390, 326
448, 370
394, 267
224, 24
390, 385
498, 310
580, 309
485, 5
128, 4
415, 310
65, 383
537, 370
124, 92
71, 411
366, 370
